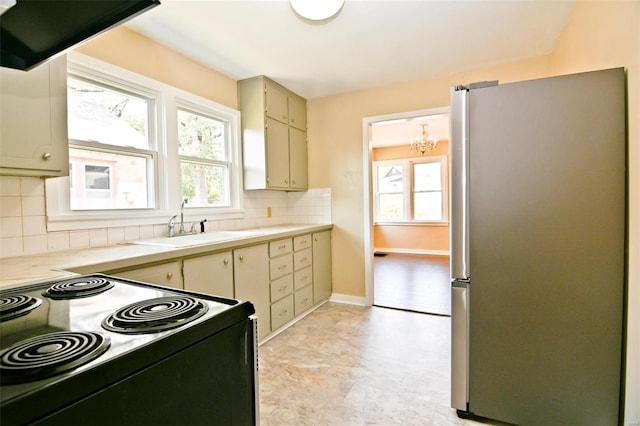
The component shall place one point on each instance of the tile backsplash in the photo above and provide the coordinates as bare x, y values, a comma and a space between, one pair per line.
23, 224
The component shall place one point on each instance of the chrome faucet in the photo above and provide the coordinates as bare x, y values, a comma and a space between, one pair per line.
172, 226
181, 230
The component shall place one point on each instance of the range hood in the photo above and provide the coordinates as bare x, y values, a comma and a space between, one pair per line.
33, 31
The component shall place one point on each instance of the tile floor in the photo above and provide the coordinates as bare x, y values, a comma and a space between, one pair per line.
349, 365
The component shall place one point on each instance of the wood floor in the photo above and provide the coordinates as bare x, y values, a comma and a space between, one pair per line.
347, 365
413, 282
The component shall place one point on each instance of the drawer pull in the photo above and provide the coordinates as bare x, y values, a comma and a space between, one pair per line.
282, 288
283, 246
46, 156
306, 277
304, 259
305, 300
283, 313
169, 275
281, 267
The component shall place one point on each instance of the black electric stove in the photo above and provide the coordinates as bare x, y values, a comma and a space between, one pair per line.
97, 349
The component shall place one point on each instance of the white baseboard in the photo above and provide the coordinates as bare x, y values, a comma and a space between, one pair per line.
348, 300
412, 251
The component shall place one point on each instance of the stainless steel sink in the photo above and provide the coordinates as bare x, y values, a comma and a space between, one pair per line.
198, 239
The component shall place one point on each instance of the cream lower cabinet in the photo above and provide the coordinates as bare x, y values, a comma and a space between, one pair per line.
167, 274
281, 285
321, 266
251, 278
210, 274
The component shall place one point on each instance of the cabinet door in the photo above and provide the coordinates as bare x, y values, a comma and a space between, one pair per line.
297, 112
276, 102
33, 120
277, 154
167, 275
251, 279
211, 274
321, 266
298, 158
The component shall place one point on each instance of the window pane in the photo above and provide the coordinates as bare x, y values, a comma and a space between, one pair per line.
205, 185
427, 177
427, 206
390, 179
108, 180
391, 207
106, 116
200, 136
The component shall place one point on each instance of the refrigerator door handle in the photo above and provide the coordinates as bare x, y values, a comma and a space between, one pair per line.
459, 181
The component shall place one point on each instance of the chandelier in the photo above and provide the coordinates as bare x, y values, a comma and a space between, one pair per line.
426, 144
316, 10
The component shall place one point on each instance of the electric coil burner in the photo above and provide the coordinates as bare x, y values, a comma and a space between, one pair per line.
149, 316
152, 355
78, 287
17, 305
49, 354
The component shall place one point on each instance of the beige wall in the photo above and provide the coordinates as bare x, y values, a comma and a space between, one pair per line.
410, 238
130, 50
600, 34
336, 149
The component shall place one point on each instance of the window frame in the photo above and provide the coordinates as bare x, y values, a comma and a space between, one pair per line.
408, 190
163, 138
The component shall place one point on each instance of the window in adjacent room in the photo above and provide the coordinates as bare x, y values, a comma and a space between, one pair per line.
411, 190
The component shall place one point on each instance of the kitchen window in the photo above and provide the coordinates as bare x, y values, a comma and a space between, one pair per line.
138, 145
411, 190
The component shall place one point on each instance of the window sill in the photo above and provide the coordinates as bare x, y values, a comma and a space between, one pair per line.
390, 223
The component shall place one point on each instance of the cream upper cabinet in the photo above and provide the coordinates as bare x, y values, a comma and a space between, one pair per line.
33, 120
274, 136
251, 276
211, 274
321, 266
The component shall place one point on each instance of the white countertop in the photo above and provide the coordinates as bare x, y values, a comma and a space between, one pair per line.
15, 271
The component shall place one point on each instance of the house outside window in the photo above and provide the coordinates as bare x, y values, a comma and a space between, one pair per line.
136, 144
110, 143
411, 190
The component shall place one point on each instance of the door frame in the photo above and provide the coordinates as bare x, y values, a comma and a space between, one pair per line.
367, 185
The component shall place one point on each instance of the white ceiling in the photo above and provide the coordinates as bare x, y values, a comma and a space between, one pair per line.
369, 43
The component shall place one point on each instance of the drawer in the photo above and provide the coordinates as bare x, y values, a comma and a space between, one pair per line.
280, 266
281, 287
280, 247
302, 259
302, 278
303, 300
281, 312
302, 242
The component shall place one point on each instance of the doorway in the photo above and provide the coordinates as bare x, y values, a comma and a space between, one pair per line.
407, 233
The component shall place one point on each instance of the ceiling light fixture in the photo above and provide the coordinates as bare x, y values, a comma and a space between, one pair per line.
316, 10
425, 145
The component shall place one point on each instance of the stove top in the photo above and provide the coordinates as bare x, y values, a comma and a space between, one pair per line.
54, 332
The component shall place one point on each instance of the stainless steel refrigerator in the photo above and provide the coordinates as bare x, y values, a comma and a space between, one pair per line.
538, 216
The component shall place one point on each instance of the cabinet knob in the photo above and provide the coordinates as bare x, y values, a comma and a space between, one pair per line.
283, 313
169, 275
46, 156
226, 261
286, 181
241, 257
